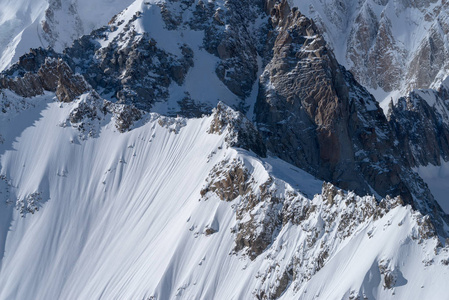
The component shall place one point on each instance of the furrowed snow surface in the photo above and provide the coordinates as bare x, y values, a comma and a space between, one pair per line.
121, 216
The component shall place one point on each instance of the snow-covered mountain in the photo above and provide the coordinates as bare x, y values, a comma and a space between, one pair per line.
214, 150
391, 46
169, 210
26, 24
156, 60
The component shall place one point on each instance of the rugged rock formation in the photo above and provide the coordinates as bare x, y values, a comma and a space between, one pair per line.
377, 57
240, 132
132, 68
91, 110
265, 209
390, 44
313, 113
298, 87
229, 36
53, 75
422, 129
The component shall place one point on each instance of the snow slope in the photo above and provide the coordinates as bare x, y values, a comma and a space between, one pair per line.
22, 23
110, 215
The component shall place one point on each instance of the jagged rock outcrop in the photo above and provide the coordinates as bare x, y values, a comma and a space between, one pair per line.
264, 209
388, 45
313, 113
229, 36
296, 97
376, 56
51, 74
421, 123
240, 132
230, 180
91, 110
132, 68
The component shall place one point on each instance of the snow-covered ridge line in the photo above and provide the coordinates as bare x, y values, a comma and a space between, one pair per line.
152, 55
267, 208
204, 220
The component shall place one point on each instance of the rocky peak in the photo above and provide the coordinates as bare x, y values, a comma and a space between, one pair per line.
309, 111
389, 45
302, 84
312, 113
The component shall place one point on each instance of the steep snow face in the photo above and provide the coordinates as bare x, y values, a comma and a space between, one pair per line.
89, 212
390, 46
26, 24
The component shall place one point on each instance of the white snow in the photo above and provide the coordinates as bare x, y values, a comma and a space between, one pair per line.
120, 218
21, 23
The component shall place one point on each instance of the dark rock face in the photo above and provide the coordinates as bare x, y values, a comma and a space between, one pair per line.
304, 106
422, 130
313, 114
297, 87
30, 62
52, 75
137, 73
228, 34
234, 32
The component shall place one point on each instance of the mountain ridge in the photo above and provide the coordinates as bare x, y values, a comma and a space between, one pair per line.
214, 150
